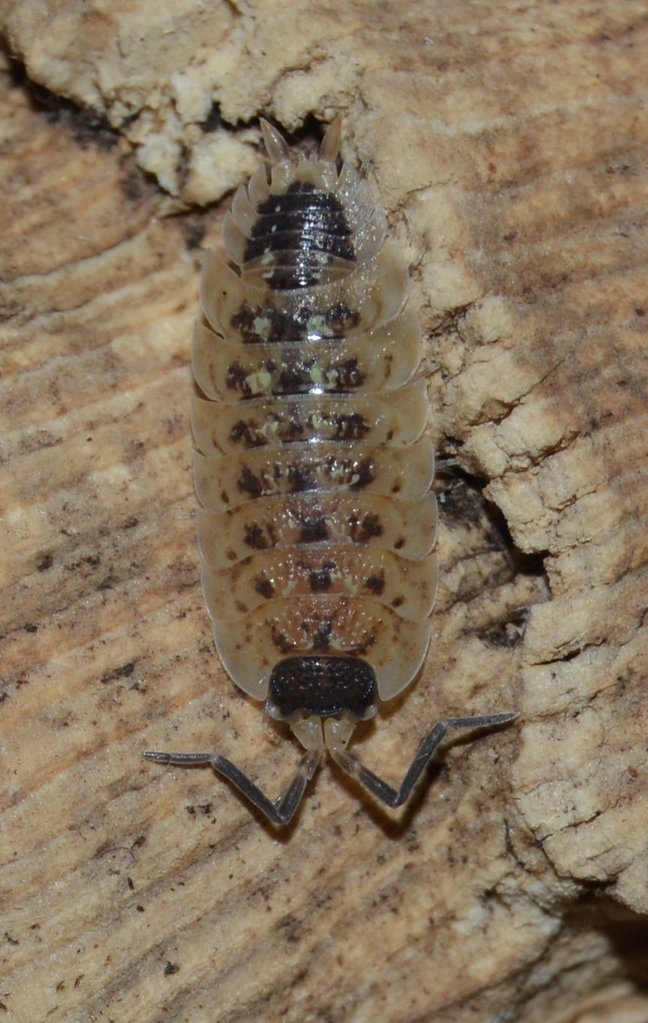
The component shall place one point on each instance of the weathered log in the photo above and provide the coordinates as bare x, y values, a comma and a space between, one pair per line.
508, 145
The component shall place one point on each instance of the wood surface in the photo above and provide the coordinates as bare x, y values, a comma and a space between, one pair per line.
508, 143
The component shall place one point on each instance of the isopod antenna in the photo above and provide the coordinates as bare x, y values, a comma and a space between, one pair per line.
279, 811
394, 798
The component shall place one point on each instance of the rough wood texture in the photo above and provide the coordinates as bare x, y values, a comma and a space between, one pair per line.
509, 144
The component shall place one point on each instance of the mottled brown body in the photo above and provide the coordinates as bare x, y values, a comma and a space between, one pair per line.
317, 521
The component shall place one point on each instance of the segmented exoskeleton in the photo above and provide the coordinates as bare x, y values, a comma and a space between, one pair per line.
317, 522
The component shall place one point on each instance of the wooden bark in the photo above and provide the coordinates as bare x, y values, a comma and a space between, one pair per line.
508, 144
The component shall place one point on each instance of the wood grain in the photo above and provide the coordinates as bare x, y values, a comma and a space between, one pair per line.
508, 145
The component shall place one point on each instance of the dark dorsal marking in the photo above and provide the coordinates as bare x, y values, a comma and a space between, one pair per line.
298, 231
323, 685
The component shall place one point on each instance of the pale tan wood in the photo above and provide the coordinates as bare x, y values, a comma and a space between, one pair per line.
508, 145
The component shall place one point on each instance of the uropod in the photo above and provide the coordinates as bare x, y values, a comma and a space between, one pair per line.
317, 521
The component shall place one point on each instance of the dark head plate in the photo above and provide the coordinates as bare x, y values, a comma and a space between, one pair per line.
324, 686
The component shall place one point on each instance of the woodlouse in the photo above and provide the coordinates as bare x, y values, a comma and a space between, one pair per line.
317, 521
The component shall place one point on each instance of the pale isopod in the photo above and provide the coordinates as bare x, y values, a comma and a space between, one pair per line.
317, 522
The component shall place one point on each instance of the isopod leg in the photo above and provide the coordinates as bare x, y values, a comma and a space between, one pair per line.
396, 797
279, 812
